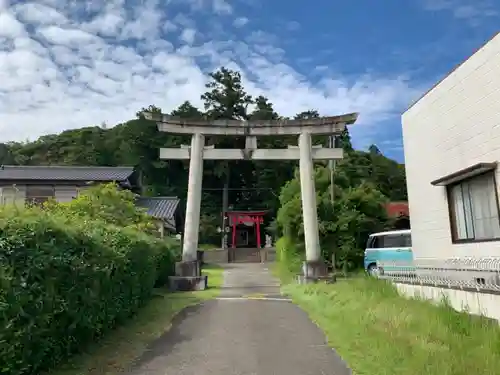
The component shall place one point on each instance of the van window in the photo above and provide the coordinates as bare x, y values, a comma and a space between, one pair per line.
393, 240
389, 241
373, 242
370, 242
407, 240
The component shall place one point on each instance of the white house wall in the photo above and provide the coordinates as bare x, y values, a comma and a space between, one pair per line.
482, 304
12, 195
9, 194
65, 193
456, 125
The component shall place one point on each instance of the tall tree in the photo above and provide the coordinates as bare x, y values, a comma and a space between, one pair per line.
263, 110
188, 111
269, 176
226, 98
311, 113
374, 150
151, 108
6, 156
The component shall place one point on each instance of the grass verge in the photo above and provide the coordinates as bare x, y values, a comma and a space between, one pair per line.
378, 332
117, 350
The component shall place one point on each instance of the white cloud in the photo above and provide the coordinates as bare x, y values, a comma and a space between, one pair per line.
60, 70
66, 36
471, 11
222, 7
145, 22
39, 14
10, 27
188, 35
240, 22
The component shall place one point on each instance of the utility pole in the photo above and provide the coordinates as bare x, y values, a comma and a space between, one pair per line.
225, 204
331, 167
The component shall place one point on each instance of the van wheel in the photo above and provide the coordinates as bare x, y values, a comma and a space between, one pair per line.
373, 270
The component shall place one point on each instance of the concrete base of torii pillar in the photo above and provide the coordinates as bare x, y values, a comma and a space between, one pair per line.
188, 277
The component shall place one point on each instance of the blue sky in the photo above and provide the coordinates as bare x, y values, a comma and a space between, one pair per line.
68, 63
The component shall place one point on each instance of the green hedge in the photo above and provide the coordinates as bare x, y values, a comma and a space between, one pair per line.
289, 258
63, 285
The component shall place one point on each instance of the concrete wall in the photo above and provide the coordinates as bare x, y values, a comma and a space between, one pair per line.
456, 125
484, 304
215, 256
253, 255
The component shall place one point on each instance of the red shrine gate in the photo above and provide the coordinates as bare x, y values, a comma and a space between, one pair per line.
245, 228
245, 234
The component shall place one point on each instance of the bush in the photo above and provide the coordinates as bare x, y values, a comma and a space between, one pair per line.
65, 282
289, 258
344, 225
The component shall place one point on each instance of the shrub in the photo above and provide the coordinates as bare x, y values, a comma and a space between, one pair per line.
344, 225
289, 258
65, 282
168, 251
107, 203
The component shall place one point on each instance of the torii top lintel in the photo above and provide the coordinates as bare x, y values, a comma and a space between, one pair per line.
333, 125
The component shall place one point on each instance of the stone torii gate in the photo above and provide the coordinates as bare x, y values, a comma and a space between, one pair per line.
188, 274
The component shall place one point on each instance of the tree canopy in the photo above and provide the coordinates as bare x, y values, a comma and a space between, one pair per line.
363, 180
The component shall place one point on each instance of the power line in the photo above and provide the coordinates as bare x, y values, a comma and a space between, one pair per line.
235, 189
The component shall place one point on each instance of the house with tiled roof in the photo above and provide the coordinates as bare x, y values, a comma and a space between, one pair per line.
37, 184
164, 210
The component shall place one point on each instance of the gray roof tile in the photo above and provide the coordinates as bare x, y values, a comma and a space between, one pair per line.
159, 207
64, 173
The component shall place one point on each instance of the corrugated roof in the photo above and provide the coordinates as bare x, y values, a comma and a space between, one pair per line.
159, 207
64, 173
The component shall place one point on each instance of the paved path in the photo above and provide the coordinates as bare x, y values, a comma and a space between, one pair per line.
237, 336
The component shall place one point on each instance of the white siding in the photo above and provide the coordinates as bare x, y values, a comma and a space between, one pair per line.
65, 193
10, 195
81, 189
456, 125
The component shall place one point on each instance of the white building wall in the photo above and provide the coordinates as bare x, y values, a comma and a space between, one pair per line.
65, 193
9, 194
456, 125
12, 195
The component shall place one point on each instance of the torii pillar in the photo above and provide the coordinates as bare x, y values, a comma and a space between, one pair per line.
188, 273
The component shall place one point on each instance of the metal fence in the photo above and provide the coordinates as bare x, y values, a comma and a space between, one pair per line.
474, 274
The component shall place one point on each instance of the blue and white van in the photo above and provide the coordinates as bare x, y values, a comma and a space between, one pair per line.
393, 246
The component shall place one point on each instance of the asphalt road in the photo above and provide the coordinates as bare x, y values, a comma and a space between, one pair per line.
236, 335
